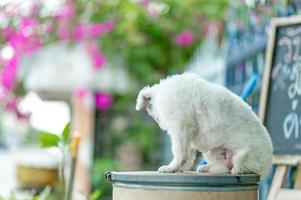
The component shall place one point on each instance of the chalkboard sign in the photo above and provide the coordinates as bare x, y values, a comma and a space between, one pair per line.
280, 106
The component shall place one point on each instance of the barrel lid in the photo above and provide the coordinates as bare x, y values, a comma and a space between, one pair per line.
182, 179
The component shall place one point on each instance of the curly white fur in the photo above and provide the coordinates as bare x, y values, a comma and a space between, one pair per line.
203, 117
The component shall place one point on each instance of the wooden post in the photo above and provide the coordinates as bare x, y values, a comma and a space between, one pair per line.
282, 164
83, 122
278, 180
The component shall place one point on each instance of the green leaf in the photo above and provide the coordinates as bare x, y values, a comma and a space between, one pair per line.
95, 195
66, 133
44, 194
49, 139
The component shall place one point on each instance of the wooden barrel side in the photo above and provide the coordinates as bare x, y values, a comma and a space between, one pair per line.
121, 193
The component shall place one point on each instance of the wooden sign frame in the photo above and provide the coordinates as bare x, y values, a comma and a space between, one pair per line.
275, 22
282, 162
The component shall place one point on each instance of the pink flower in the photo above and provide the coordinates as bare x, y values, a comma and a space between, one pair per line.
48, 27
35, 8
101, 28
11, 10
28, 22
3, 93
98, 58
144, 2
65, 15
28, 26
80, 31
32, 45
184, 39
83, 30
153, 11
8, 75
22, 116
12, 106
81, 93
67, 11
8, 32
103, 101
25, 44
63, 30
17, 41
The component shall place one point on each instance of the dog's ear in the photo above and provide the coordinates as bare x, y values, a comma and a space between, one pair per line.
144, 97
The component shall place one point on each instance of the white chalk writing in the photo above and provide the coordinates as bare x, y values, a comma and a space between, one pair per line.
291, 124
295, 87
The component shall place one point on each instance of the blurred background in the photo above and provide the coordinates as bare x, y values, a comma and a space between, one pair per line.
84, 61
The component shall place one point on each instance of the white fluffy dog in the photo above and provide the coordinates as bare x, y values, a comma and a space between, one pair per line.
203, 117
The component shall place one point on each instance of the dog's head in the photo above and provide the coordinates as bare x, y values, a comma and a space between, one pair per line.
146, 99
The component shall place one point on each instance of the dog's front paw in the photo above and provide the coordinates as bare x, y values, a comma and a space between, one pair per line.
239, 170
168, 169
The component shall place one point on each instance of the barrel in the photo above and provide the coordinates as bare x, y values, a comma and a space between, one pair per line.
149, 185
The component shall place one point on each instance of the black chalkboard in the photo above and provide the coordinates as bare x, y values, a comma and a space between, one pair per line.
281, 90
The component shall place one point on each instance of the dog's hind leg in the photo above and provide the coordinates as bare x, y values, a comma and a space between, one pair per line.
215, 162
238, 159
192, 160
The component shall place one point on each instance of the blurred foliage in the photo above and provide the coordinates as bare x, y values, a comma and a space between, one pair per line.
110, 136
125, 124
144, 37
139, 128
100, 167
61, 141
145, 31
95, 195
32, 137
46, 194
